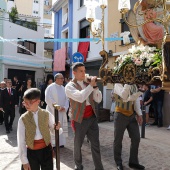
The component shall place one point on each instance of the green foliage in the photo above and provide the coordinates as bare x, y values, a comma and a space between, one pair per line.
157, 57
13, 15
33, 24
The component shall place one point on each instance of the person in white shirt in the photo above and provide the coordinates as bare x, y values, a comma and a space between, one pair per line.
55, 94
82, 97
126, 104
33, 133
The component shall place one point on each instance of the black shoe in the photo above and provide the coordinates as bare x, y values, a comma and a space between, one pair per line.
136, 166
62, 146
1, 123
10, 129
120, 167
154, 123
7, 131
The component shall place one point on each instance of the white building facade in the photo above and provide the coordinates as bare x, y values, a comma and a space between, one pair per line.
27, 59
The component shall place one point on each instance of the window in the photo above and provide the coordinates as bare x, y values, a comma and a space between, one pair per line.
81, 3
65, 15
124, 27
47, 31
47, 12
46, 2
35, 12
84, 29
31, 46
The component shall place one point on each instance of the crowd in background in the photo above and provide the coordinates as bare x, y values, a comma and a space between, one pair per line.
15, 97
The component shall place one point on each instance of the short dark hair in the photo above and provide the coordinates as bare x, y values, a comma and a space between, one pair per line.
32, 93
49, 77
76, 65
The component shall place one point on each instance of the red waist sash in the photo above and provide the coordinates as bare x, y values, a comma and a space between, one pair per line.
39, 144
88, 112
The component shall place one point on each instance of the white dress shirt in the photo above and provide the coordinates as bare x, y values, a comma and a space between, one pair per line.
81, 96
124, 93
22, 149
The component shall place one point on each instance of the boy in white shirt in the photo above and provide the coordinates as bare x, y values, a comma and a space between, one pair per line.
33, 134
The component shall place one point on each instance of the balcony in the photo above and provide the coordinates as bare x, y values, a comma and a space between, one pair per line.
30, 25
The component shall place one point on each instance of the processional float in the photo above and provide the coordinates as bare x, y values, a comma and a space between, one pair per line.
148, 62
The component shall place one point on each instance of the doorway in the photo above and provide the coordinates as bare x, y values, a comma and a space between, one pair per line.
22, 75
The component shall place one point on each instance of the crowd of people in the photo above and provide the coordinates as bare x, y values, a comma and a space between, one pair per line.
153, 96
35, 133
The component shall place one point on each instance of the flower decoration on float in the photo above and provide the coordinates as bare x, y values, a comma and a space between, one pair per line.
144, 58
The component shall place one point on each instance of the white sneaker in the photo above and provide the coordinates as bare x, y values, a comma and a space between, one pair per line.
168, 128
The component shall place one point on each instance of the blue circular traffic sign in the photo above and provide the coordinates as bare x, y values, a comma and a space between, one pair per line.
77, 57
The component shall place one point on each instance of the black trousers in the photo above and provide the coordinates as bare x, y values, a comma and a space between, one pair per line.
9, 116
41, 158
1, 117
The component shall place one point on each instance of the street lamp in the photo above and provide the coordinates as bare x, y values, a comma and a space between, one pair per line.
97, 30
124, 6
96, 26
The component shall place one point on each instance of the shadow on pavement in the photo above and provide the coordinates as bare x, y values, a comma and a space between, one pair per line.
66, 157
12, 141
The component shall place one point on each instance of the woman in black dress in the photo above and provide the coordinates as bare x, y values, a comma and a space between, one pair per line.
49, 80
28, 85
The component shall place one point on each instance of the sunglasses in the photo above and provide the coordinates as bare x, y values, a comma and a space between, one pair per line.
29, 103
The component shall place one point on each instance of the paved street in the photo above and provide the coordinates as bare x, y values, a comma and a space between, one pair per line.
154, 152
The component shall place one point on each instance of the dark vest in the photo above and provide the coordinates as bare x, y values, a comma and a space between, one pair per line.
77, 108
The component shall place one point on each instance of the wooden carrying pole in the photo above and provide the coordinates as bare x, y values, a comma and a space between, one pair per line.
56, 107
